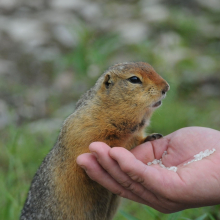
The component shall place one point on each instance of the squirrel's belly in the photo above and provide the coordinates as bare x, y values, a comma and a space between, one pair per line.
84, 199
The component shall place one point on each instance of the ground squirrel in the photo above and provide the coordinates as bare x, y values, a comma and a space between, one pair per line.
115, 111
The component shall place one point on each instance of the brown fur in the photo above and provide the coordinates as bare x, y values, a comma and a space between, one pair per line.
114, 111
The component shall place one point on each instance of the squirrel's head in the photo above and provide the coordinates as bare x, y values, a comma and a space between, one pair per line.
135, 84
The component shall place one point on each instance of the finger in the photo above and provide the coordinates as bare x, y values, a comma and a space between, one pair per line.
151, 177
159, 146
93, 169
101, 151
151, 150
144, 152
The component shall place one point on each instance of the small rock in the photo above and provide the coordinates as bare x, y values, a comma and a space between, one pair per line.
68, 4
6, 67
45, 125
206, 64
63, 35
39, 4
26, 30
64, 81
210, 4
132, 31
4, 114
92, 12
93, 71
8, 4
155, 13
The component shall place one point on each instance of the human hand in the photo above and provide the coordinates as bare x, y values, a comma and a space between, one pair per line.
125, 172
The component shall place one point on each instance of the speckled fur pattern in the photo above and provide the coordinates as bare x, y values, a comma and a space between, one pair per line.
114, 111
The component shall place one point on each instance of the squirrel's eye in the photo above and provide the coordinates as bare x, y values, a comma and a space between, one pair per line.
134, 79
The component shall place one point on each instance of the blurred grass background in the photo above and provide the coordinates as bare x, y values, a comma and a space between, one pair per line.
41, 78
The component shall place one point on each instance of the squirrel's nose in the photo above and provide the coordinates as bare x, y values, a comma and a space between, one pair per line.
165, 89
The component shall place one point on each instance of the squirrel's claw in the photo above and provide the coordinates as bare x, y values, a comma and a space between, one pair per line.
153, 137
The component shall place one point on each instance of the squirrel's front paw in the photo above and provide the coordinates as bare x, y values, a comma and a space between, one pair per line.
153, 137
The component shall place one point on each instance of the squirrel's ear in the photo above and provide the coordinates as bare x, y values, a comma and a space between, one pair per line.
108, 81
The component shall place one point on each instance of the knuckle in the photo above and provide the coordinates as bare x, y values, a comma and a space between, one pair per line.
138, 179
130, 187
139, 190
125, 169
127, 184
133, 187
134, 176
120, 193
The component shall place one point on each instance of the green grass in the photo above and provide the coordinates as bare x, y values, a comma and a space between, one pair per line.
21, 154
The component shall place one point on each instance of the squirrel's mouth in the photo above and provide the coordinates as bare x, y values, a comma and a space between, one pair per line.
157, 104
